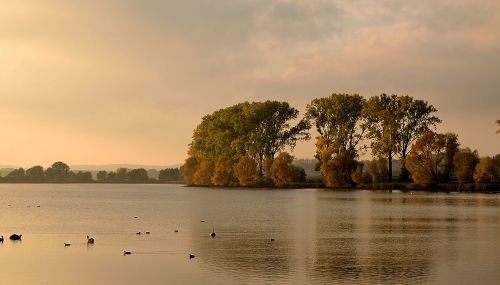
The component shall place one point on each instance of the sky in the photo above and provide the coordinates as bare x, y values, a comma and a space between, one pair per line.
97, 82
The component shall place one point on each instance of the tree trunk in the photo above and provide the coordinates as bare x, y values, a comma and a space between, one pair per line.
390, 165
405, 174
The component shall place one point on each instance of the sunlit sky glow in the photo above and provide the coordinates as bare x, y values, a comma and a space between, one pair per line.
94, 82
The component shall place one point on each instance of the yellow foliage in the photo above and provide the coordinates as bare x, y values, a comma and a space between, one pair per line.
487, 171
246, 171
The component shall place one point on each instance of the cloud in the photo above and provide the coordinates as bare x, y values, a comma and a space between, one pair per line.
145, 72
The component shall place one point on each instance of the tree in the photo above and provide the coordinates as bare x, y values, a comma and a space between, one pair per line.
377, 170
102, 176
451, 148
111, 177
487, 170
224, 172
358, 175
16, 175
121, 174
139, 175
465, 162
169, 175
415, 118
83, 177
283, 173
381, 114
338, 121
58, 172
257, 129
427, 159
273, 131
189, 169
35, 174
246, 171
153, 173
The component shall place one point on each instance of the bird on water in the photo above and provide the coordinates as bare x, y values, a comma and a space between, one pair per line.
1, 239
15, 237
191, 256
213, 233
67, 244
126, 252
90, 240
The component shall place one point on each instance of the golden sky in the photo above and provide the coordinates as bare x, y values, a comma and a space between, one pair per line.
94, 82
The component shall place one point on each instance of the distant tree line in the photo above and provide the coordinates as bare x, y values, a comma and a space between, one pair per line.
60, 172
245, 144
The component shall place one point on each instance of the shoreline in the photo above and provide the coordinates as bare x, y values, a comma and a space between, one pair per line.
396, 186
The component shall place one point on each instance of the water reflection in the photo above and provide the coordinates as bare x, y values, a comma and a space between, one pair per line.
320, 237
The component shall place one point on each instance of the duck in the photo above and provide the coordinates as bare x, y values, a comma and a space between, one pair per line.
191, 256
90, 240
272, 239
213, 233
176, 231
138, 233
126, 252
15, 237
67, 244
147, 233
1, 239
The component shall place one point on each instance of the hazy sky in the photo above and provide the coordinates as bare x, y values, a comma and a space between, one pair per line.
93, 82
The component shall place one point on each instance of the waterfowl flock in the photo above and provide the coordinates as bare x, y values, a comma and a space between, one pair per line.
91, 240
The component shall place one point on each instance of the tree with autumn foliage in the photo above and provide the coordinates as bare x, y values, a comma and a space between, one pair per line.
465, 162
246, 172
377, 169
258, 130
338, 121
487, 170
428, 159
283, 173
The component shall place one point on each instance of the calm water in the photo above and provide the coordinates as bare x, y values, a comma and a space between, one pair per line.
321, 237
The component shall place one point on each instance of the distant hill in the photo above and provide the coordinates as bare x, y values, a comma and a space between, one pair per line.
113, 167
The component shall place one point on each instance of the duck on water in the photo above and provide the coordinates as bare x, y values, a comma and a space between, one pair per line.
15, 237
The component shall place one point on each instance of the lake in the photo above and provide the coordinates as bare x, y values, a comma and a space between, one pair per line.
320, 236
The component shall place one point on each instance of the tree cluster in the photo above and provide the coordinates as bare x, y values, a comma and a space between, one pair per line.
60, 172
238, 145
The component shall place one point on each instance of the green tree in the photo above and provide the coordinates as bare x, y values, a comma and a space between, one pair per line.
102, 176
338, 121
273, 131
35, 174
16, 175
257, 129
83, 177
381, 114
169, 175
465, 162
139, 175
58, 172
415, 118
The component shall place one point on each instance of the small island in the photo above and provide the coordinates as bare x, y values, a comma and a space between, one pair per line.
244, 145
